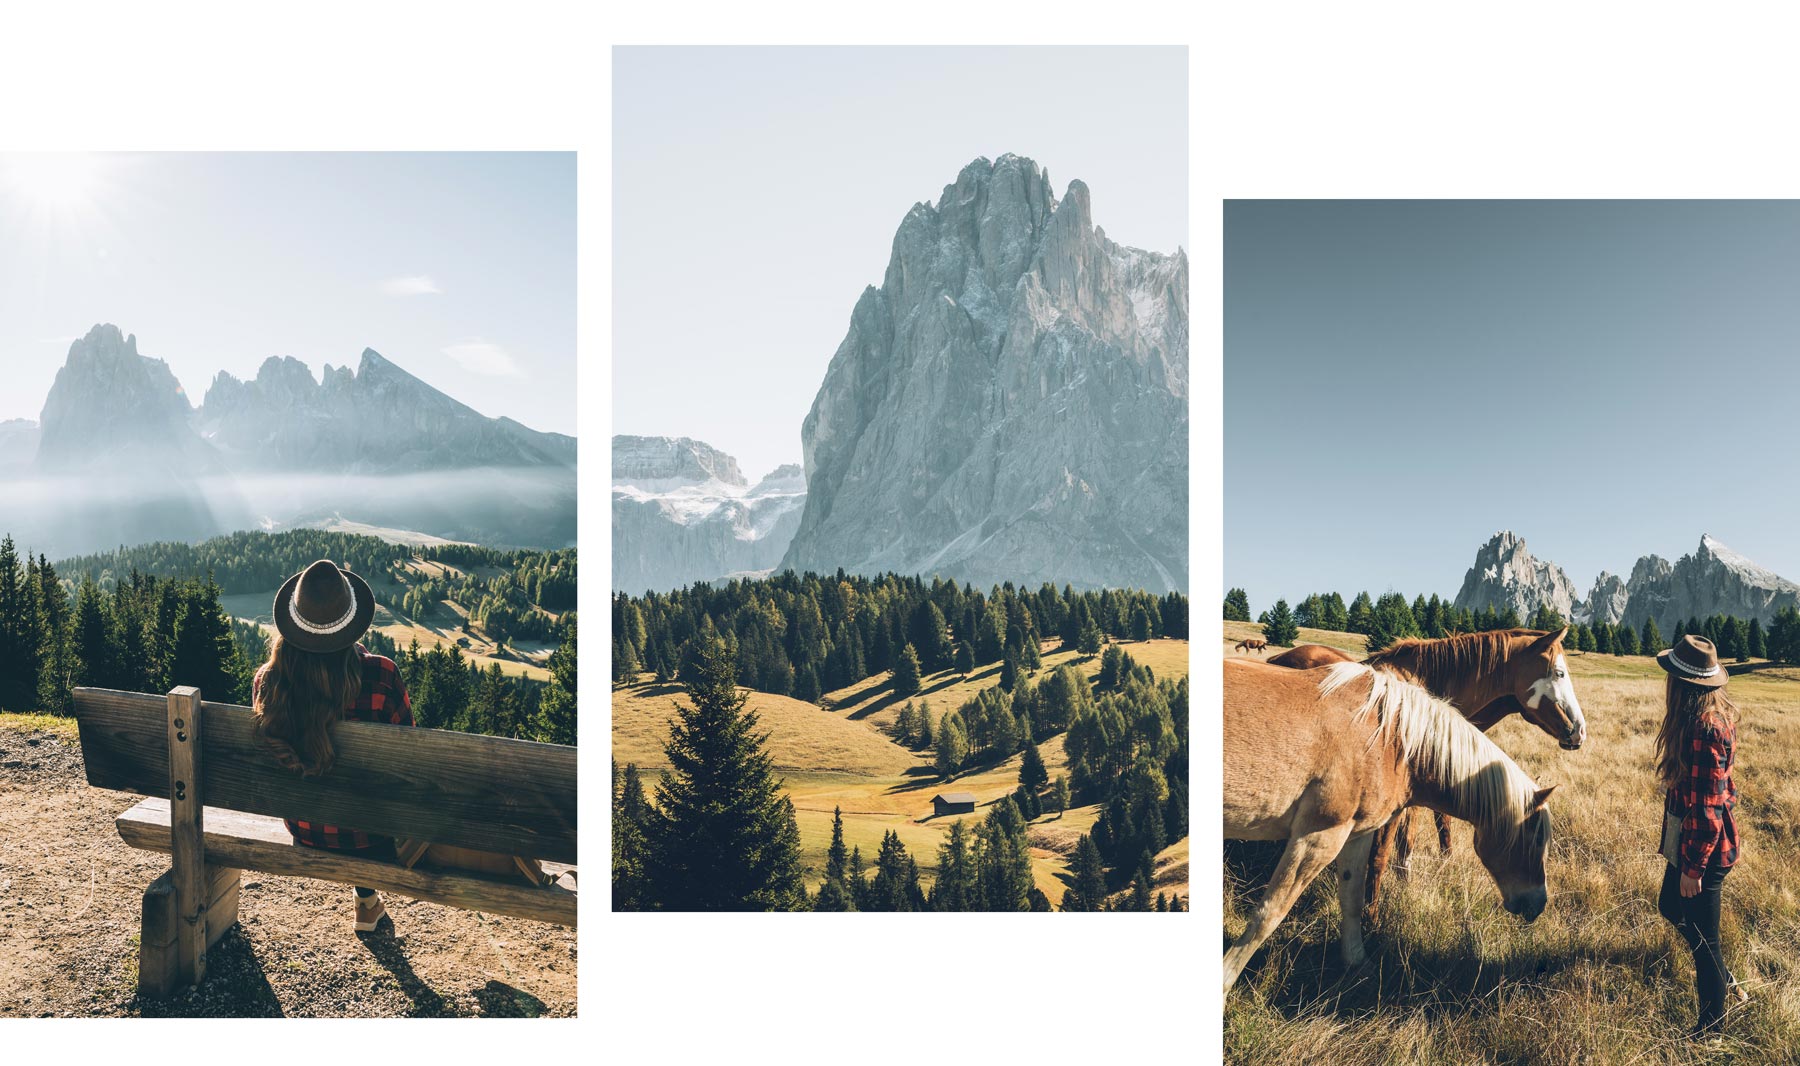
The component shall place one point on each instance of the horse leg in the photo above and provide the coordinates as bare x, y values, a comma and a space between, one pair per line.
1403, 844
1304, 858
1353, 870
1381, 853
1443, 827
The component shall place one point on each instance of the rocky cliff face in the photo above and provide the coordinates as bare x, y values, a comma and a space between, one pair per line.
1010, 404
1606, 603
378, 419
113, 411
1712, 580
1506, 574
682, 512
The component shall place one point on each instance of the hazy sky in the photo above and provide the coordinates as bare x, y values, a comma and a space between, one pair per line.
1607, 379
460, 268
757, 190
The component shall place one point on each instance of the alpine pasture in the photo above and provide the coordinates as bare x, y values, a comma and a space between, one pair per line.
839, 753
1600, 977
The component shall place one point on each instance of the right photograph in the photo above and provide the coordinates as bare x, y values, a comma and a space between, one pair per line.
1509, 741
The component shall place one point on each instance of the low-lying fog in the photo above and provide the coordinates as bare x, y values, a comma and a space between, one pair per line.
61, 516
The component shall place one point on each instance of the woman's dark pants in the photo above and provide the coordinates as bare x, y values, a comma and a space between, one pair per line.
1697, 919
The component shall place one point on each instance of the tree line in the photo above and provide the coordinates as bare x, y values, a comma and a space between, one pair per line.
149, 633
1391, 617
804, 635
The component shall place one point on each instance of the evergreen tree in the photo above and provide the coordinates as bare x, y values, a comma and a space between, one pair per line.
21, 639
1059, 795
1391, 620
1032, 774
203, 653
92, 639
1140, 623
625, 661
952, 747
1280, 628
631, 824
1009, 670
1759, 643
1651, 642
956, 884
57, 677
930, 637
906, 672
1087, 890
556, 707
965, 658
1140, 885
1740, 639
1088, 643
1237, 606
726, 838
1336, 616
1625, 641
1361, 615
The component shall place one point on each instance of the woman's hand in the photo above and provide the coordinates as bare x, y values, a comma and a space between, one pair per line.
1689, 887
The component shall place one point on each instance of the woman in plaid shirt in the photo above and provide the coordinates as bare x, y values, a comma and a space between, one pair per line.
318, 674
1694, 753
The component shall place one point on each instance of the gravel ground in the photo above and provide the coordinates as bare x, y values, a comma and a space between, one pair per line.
69, 903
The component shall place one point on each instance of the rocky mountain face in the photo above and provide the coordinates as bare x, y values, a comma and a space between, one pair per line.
378, 419
1010, 404
115, 410
119, 455
682, 512
1506, 574
1712, 580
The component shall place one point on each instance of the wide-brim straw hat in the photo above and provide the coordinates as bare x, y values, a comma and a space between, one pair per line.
324, 608
1694, 660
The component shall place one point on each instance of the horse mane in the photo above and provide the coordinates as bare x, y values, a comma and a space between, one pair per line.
1486, 785
1438, 664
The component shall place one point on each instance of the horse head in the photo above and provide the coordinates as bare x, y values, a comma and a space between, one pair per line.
1515, 857
1539, 677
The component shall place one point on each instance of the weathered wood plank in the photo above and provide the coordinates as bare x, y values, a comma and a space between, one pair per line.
257, 842
156, 939
489, 793
187, 863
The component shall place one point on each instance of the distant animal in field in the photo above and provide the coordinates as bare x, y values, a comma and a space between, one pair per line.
1252, 644
1487, 676
1324, 758
1308, 656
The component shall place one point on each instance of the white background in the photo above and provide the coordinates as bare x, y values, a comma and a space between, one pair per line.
1369, 100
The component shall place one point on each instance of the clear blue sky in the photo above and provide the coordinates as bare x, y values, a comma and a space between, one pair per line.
757, 190
1608, 379
458, 267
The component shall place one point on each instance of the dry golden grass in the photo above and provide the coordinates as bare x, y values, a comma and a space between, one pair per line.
1600, 978
844, 757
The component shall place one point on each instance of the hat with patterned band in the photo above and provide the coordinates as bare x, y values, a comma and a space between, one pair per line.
1694, 660
324, 608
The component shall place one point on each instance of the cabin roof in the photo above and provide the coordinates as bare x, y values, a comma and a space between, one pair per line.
954, 797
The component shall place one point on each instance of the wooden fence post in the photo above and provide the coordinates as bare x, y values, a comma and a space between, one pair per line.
187, 850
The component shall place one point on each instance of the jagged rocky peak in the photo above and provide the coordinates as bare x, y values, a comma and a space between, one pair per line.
788, 477
1606, 603
1506, 574
111, 405
658, 459
1010, 403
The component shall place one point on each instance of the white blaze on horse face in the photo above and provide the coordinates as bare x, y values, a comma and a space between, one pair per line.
1560, 687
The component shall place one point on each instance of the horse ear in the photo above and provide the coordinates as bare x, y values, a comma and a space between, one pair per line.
1550, 640
1541, 797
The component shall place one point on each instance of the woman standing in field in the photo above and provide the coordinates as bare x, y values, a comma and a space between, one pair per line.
1694, 753
318, 674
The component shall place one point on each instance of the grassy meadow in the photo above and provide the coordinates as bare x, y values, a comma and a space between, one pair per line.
1600, 977
839, 753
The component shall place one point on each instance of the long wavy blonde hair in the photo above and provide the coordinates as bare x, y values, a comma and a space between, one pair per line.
1686, 707
298, 695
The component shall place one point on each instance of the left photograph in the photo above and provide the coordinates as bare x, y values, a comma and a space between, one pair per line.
288, 585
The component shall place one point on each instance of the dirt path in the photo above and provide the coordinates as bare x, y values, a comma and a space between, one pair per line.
69, 902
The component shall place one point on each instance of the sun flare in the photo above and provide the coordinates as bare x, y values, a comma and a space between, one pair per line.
65, 185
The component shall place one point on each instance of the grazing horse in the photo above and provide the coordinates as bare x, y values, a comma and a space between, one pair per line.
1252, 644
1487, 676
1307, 656
1323, 758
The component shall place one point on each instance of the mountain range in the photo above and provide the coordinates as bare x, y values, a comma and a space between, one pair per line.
1712, 580
1009, 404
683, 512
121, 455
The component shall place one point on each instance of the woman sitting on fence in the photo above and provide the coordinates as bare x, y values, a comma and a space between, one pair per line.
318, 674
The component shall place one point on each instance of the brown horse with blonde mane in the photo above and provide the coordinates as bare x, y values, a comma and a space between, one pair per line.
1487, 676
1324, 758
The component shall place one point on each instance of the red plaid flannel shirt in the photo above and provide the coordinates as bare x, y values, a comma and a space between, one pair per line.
382, 698
1704, 799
